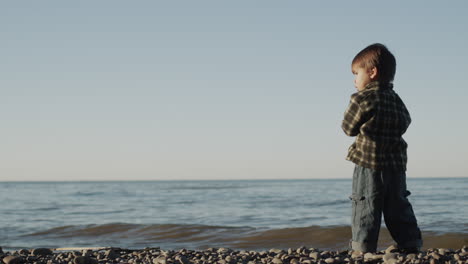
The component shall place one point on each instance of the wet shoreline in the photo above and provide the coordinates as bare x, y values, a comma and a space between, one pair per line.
202, 237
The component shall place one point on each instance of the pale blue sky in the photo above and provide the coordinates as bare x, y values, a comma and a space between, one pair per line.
148, 90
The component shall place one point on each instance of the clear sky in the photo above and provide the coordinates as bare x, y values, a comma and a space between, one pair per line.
158, 90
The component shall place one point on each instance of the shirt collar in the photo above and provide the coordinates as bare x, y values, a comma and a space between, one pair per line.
376, 85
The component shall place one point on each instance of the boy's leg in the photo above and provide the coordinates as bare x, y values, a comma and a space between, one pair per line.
367, 205
398, 212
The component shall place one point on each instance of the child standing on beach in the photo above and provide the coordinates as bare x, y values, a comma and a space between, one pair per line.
378, 118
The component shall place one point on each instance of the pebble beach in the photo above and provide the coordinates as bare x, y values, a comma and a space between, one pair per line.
301, 255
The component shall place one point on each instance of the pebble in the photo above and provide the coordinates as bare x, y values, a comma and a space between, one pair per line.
223, 250
85, 260
183, 260
160, 260
42, 252
294, 261
329, 260
391, 249
388, 256
276, 251
111, 254
435, 256
13, 260
368, 256
314, 255
87, 253
356, 254
24, 252
277, 261
302, 250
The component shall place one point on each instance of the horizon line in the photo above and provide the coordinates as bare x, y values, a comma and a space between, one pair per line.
171, 180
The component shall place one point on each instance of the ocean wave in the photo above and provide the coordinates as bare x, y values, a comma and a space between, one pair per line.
204, 236
88, 193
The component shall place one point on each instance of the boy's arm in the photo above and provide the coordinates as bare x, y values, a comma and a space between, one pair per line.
354, 117
405, 117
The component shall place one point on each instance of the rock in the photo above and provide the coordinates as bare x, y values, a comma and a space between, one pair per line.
443, 251
368, 256
411, 256
389, 256
85, 260
160, 260
111, 254
13, 260
24, 252
378, 256
87, 252
276, 251
277, 261
294, 261
391, 249
330, 260
356, 254
230, 260
183, 260
31, 259
224, 250
315, 255
300, 250
435, 256
42, 252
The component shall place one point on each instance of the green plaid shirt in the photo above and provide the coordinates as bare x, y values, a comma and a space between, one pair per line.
378, 118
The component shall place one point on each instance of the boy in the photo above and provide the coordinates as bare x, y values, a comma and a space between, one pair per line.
378, 118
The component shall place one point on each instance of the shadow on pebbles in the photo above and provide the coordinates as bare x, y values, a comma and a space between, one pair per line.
300, 255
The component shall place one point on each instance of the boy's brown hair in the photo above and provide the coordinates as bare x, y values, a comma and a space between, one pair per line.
378, 56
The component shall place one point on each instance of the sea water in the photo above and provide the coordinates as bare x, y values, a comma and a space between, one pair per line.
244, 214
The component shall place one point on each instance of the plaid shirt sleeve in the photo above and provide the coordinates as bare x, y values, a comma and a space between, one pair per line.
356, 114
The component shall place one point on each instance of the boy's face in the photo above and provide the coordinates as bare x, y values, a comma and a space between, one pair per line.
363, 77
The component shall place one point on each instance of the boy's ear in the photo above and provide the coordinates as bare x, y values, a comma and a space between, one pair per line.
373, 73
